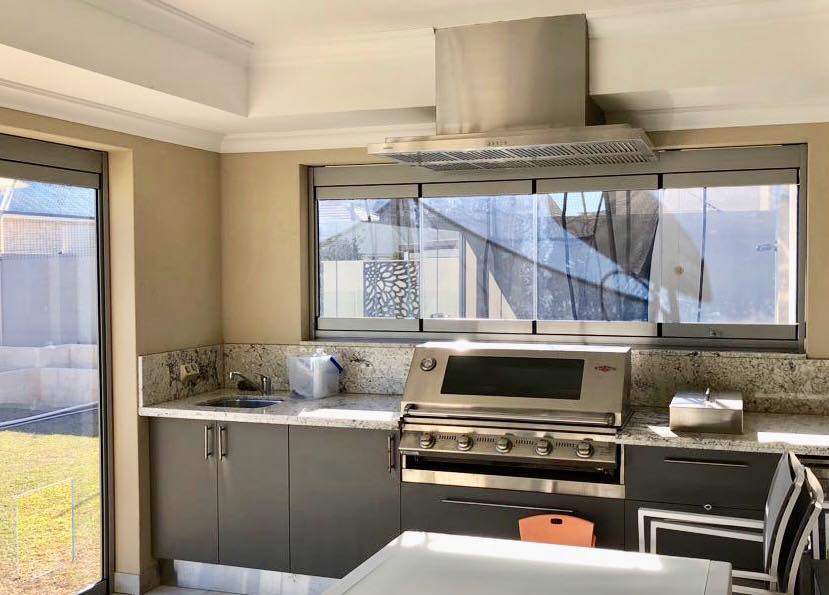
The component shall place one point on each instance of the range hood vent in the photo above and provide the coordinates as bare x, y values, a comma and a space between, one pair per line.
515, 94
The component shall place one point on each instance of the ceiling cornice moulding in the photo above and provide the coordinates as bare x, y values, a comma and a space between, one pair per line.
46, 103
63, 107
174, 23
724, 116
161, 5
311, 139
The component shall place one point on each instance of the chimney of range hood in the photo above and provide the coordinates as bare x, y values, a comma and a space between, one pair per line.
515, 74
516, 94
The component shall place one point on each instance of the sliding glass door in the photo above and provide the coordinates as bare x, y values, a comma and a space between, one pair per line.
52, 370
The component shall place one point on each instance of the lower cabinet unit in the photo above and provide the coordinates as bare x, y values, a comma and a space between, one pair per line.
345, 497
699, 476
253, 496
716, 482
220, 492
495, 513
742, 555
319, 501
183, 497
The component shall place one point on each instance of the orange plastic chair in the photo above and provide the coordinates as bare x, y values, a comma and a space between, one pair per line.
560, 529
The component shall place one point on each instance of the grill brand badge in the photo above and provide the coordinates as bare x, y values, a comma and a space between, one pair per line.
604, 368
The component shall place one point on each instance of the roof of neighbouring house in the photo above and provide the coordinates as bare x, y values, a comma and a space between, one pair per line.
50, 200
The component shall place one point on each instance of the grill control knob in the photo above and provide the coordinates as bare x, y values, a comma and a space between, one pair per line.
503, 445
427, 364
543, 447
584, 450
464, 442
427, 440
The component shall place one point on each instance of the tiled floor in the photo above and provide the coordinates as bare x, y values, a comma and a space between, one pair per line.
164, 590
180, 591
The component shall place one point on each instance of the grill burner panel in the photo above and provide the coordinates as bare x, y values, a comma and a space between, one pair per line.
523, 448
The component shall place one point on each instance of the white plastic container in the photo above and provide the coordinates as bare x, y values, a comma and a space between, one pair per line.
314, 376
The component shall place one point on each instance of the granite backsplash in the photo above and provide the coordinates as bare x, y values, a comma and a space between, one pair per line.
159, 378
770, 382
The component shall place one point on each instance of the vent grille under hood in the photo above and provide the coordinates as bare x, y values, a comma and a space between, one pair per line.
514, 95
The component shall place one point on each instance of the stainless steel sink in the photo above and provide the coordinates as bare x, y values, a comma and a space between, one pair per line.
241, 403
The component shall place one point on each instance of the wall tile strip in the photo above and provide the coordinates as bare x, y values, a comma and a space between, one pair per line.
770, 382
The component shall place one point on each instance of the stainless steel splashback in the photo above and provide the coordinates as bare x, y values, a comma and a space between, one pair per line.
530, 73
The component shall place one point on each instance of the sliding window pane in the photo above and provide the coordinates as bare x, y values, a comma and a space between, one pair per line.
369, 258
594, 254
478, 257
727, 255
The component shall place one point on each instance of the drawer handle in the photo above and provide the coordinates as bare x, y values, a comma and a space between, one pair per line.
705, 463
510, 506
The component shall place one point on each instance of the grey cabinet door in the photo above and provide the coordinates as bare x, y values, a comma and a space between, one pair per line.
698, 476
345, 499
253, 496
183, 490
495, 513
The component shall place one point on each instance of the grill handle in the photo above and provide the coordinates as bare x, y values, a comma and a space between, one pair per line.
508, 506
523, 415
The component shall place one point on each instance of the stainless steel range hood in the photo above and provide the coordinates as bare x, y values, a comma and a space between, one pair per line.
515, 94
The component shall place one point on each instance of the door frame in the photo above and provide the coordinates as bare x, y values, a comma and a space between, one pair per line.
56, 163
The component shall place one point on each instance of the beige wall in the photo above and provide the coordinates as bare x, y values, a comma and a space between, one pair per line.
264, 259
264, 241
165, 285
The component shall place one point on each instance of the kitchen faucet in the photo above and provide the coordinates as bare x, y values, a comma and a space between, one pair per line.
265, 384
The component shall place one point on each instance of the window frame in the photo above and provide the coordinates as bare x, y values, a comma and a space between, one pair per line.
743, 164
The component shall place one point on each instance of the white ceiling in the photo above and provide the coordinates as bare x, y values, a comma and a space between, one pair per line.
273, 24
253, 75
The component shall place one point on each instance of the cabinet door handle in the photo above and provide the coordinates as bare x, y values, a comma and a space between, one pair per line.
706, 463
390, 450
510, 506
222, 441
208, 446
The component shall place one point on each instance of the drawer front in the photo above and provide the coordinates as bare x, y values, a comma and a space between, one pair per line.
695, 476
495, 513
740, 554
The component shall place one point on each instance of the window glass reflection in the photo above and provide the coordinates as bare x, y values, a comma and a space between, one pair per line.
478, 257
369, 258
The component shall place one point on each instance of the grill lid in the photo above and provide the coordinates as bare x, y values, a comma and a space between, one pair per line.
514, 94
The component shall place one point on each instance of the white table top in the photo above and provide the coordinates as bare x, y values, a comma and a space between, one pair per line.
437, 564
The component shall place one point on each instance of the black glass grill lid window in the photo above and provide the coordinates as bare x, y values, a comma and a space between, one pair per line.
536, 378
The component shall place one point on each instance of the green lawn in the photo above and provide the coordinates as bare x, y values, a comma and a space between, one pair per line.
38, 473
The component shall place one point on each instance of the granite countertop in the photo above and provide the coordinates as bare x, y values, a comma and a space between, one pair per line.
376, 412
762, 432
